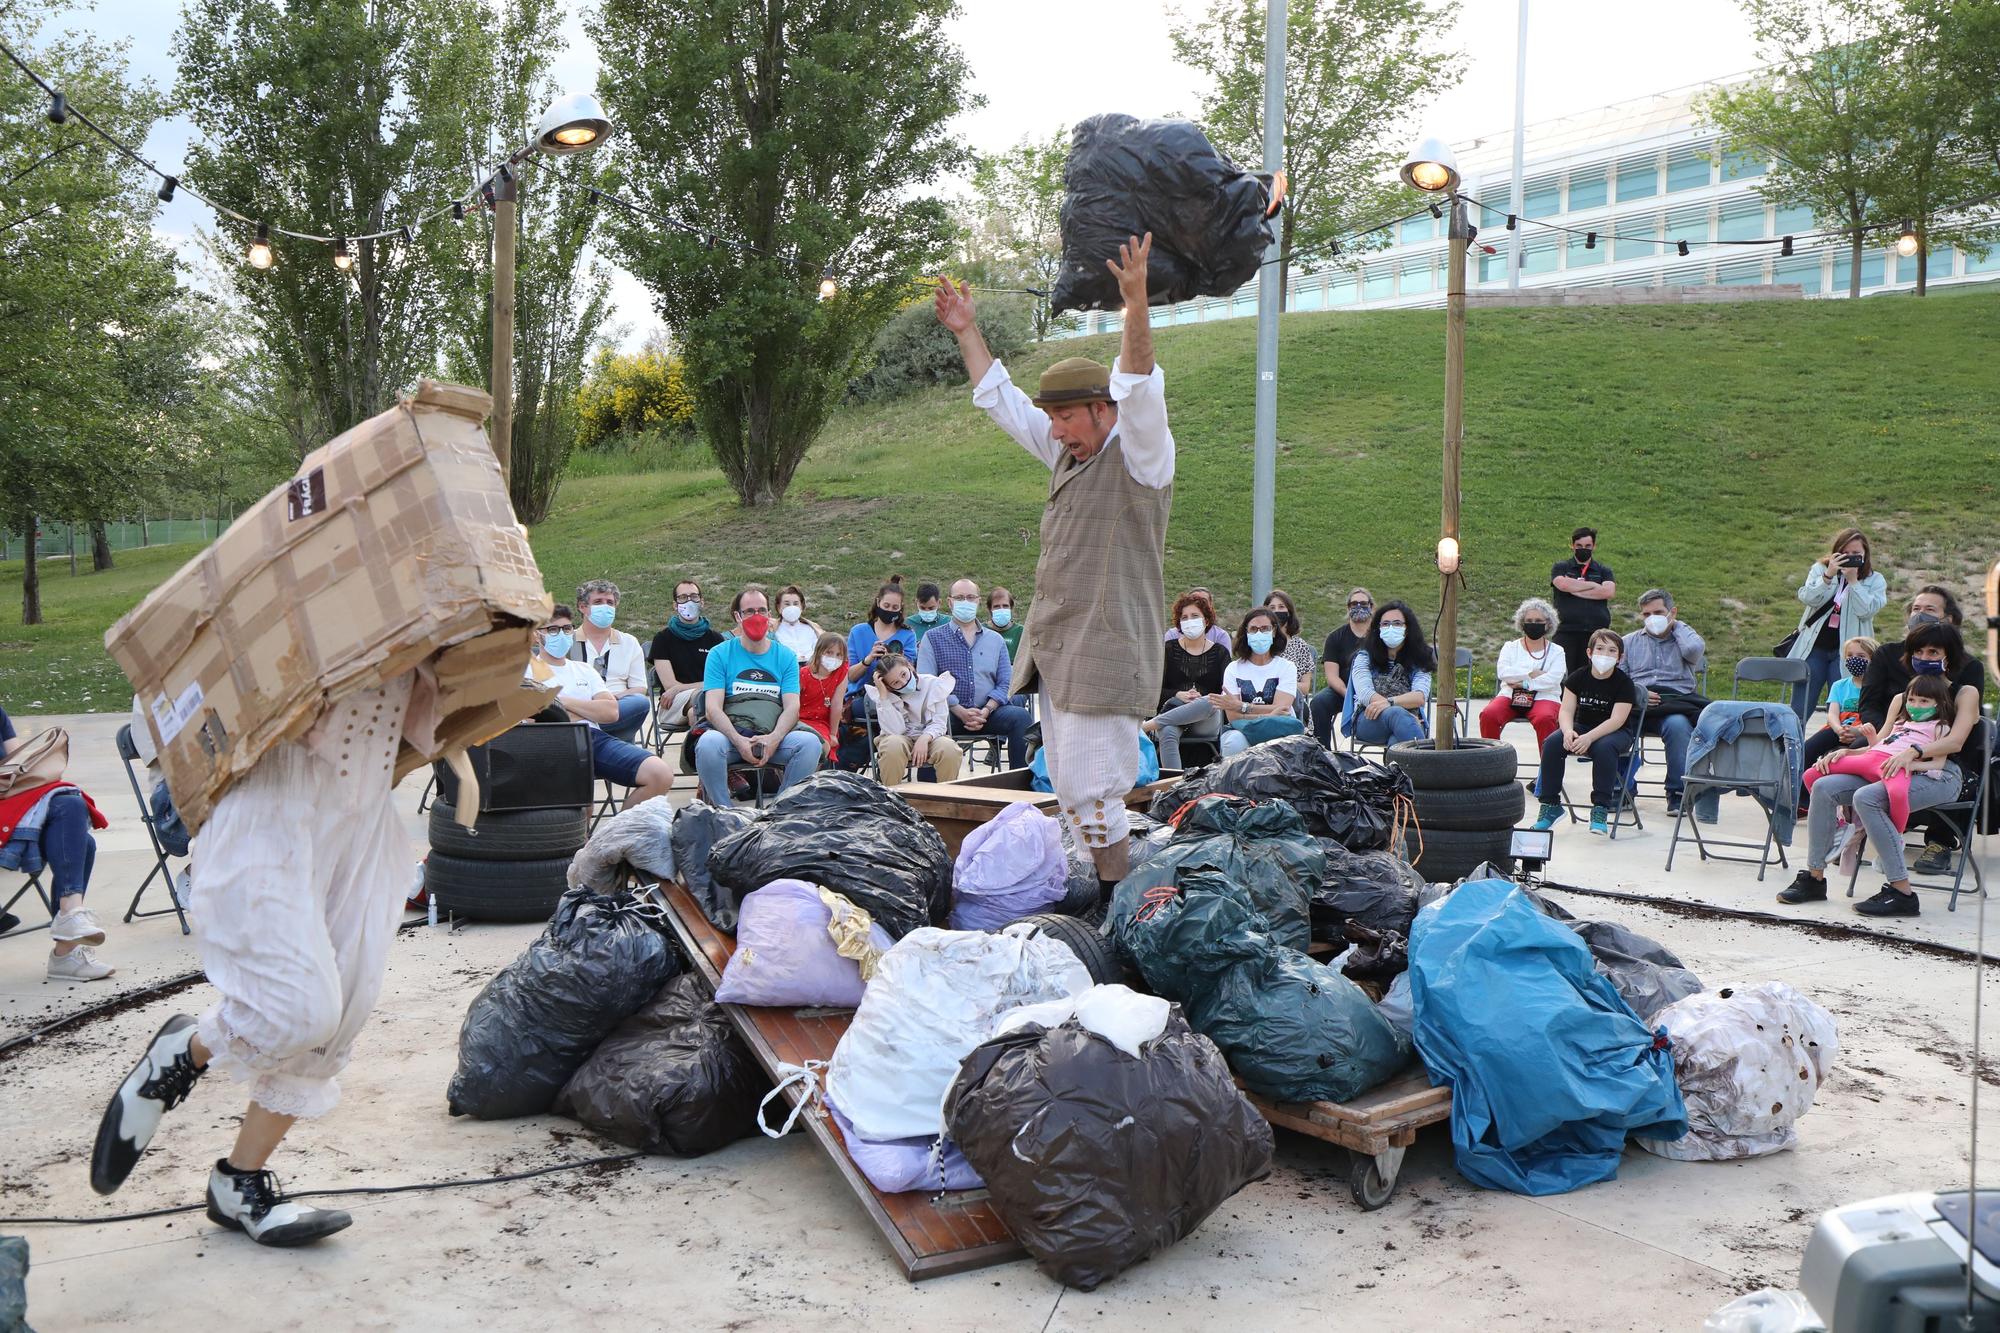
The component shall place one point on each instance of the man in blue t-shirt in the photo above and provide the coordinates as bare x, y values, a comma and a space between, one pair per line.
750, 701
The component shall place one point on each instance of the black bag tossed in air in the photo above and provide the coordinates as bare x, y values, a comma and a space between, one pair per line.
673, 1078
540, 1017
1126, 177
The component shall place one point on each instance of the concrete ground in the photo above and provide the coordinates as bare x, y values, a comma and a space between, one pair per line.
762, 1235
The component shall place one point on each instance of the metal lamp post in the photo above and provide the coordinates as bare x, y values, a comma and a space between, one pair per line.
1432, 169
1264, 464
572, 124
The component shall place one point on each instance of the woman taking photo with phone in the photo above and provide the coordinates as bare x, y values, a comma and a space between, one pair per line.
1842, 592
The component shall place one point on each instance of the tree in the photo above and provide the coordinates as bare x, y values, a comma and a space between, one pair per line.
1354, 72
785, 140
1017, 218
1818, 111
628, 394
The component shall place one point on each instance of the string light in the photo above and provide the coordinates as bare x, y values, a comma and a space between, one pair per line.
407, 234
167, 184
828, 288
1436, 212
260, 255
342, 259
1682, 247
458, 210
1513, 221
58, 109
1590, 240
1906, 244
1785, 251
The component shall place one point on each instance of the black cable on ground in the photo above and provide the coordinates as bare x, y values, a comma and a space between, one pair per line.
422, 1187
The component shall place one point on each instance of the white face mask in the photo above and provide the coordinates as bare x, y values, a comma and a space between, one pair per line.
789, 614
829, 662
688, 611
1602, 663
1193, 626
1656, 624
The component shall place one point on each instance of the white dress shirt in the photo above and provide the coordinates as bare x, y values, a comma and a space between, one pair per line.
1141, 425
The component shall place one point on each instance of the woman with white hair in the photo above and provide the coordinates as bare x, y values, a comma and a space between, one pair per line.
1531, 670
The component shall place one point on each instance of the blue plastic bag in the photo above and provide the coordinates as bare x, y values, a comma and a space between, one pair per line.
1149, 766
1549, 1069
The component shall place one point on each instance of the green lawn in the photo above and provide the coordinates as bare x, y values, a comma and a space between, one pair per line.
1716, 447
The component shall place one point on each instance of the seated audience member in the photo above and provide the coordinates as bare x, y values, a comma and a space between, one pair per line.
913, 722
877, 637
586, 698
1216, 633
680, 655
794, 630
1843, 697
823, 687
1598, 700
930, 611
1531, 670
1909, 768
1000, 618
1190, 679
1259, 686
1389, 683
750, 699
1662, 657
48, 824
1297, 651
1842, 591
613, 654
976, 660
1330, 700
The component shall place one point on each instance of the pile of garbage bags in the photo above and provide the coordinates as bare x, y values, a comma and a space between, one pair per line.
1377, 890
1009, 867
1105, 1130
698, 826
1341, 796
1749, 1061
1649, 977
641, 838
798, 945
1261, 846
847, 833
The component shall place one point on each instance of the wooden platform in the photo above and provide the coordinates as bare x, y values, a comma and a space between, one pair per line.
930, 1235
954, 809
1376, 1127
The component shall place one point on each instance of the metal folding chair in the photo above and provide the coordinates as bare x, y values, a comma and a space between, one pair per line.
129, 752
1968, 805
1769, 670
1626, 804
34, 882
1755, 763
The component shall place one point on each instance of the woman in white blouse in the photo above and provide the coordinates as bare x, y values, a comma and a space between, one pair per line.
794, 630
1258, 686
1531, 671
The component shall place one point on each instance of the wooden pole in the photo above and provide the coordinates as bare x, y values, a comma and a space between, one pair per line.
1454, 438
501, 379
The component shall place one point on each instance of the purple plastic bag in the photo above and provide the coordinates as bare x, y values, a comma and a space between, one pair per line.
1009, 867
906, 1164
785, 957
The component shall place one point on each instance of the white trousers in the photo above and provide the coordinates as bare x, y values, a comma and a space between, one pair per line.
299, 880
1093, 763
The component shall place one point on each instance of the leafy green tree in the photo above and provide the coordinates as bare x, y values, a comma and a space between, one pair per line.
1355, 71
1017, 218
800, 139
914, 351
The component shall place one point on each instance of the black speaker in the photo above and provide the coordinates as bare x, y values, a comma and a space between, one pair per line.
535, 766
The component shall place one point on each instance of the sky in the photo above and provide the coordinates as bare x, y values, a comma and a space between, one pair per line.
1043, 64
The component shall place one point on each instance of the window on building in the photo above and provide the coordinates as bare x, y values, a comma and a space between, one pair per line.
1687, 169
1189, 313
1493, 268
1342, 289
1792, 222
1805, 272
1379, 282
1638, 177
1871, 270
1579, 257
1538, 257
1741, 221
1588, 189
1636, 238
1418, 278
1310, 296
1542, 199
1112, 324
1415, 231
1244, 302
1637, 280
1688, 224
1740, 274
1738, 166
1989, 264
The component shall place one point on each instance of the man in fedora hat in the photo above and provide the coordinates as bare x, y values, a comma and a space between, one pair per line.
1093, 641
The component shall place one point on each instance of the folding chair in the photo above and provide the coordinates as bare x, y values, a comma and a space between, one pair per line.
34, 882
1462, 705
1755, 763
1627, 802
1975, 790
129, 752
1769, 670
875, 757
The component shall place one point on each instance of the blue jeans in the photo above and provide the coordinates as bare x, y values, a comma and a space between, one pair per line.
631, 713
1605, 755
1010, 723
1395, 724
798, 755
1823, 668
1675, 731
67, 845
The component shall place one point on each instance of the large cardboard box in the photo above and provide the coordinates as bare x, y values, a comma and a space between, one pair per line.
395, 544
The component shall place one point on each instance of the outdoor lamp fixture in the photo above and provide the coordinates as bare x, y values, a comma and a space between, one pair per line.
168, 184
342, 259
1906, 244
827, 286
572, 124
1447, 555
260, 255
1430, 167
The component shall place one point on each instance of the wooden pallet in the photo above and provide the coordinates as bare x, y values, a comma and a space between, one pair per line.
930, 1235
1377, 1127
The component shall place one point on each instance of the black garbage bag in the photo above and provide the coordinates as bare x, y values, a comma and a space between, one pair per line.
849, 834
1291, 1028
673, 1078
13, 1284
1378, 954
1648, 976
698, 826
1094, 1159
1372, 889
1126, 177
1262, 846
539, 1018
1341, 796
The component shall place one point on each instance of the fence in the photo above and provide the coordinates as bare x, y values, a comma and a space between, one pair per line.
57, 541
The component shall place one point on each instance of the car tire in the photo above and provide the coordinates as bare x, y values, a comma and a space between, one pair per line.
496, 890
1470, 762
522, 835
1095, 952
1445, 855
1471, 809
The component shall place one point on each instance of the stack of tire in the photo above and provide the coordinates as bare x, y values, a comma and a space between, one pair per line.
512, 865
1468, 805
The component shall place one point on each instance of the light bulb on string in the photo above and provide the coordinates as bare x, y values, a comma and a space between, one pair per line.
343, 259
167, 187
1906, 244
260, 256
58, 109
827, 286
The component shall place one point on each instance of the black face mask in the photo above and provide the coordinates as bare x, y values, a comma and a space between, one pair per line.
1918, 619
1584, 553
888, 617
1534, 630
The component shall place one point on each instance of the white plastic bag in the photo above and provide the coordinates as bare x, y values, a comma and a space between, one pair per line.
1749, 1060
641, 837
1396, 1005
934, 997
1766, 1310
1119, 1014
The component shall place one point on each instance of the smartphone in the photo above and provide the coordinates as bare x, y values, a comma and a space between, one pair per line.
892, 649
1853, 561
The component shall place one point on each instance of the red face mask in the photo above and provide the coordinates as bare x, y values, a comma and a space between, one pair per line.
756, 625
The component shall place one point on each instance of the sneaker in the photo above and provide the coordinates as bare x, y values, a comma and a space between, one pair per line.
1673, 804
252, 1203
79, 964
183, 889
1936, 860
1804, 888
1888, 902
157, 1084
1548, 817
80, 927
1600, 819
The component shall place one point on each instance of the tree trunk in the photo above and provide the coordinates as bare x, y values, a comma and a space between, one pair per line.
31, 582
1854, 268
100, 547
1923, 257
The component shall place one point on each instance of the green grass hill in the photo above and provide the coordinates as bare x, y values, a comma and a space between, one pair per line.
1717, 448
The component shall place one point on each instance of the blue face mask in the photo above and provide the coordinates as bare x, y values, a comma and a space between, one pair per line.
557, 643
602, 615
1392, 635
1924, 666
925, 619
1857, 667
1003, 616
1259, 640
965, 612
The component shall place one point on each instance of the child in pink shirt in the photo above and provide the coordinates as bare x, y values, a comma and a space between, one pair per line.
1916, 718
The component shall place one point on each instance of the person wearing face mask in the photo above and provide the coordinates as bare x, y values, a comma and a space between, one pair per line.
612, 653
882, 635
1190, 680
1297, 651
1661, 657
977, 662
1584, 588
930, 612
1842, 591
913, 720
1258, 686
823, 687
1095, 640
680, 654
1217, 635
585, 697
1390, 681
795, 629
1843, 698
1596, 723
1000, 618
1337, 659
750, 699
1531, 671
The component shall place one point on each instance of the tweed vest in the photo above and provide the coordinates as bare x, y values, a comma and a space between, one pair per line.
1095, 636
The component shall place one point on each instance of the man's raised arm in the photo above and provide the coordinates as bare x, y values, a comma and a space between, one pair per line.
995, 393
